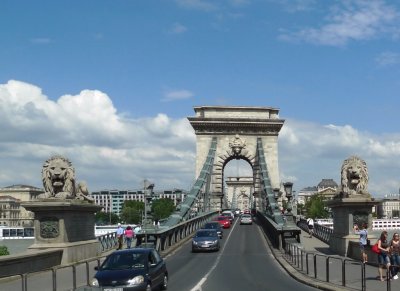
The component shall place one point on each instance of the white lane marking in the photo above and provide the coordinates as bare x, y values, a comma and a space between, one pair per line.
204, 279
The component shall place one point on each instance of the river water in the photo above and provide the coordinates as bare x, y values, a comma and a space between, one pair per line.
16, 246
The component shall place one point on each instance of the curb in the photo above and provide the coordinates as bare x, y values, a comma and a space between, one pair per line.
297, 275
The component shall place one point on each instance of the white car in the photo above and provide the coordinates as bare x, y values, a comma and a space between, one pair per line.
246, 219
229, 214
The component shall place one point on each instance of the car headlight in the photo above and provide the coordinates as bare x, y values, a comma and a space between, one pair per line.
94, 282
136, 280
194, 242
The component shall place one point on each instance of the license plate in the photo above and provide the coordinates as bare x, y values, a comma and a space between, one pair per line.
113, 289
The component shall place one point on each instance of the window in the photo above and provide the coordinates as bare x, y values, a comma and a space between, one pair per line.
154, 257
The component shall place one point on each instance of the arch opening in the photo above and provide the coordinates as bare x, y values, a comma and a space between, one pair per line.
238, 183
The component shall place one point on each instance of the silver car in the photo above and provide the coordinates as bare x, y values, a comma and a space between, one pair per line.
205, 240
246, 219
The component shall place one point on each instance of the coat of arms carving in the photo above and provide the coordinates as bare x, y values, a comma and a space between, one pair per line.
237, 144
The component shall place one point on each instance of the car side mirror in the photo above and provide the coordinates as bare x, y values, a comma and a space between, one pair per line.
96, 268
153, 265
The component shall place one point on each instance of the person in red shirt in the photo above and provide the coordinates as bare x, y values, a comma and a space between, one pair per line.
129, 235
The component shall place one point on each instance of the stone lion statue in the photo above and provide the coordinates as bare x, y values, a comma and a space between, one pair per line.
58, 178
354, 177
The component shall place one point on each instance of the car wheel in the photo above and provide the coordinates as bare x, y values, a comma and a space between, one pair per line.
164, 284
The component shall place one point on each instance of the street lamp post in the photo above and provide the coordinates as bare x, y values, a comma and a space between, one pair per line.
288, 188
147, 191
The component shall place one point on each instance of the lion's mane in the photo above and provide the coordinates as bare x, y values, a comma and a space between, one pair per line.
354, 169
68, 178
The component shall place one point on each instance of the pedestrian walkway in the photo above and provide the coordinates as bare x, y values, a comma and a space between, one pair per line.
324, 256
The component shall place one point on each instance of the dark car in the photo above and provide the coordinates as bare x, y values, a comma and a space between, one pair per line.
214, 225
205, 240
132, 269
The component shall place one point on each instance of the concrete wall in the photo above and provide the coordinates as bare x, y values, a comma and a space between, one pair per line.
29, 262
353, 251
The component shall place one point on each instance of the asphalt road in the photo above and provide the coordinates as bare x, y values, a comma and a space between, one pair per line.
244, 262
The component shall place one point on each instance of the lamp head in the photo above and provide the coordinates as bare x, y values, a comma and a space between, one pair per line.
276, 193
288, 186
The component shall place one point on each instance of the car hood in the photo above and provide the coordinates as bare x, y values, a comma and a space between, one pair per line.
119, 275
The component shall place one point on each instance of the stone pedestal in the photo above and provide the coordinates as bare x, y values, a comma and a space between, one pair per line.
65, 224
346, 213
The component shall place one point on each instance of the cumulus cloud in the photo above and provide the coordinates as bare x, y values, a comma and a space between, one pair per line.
111, 151
296, 5
177, 95
178, 28
319, 150
106, 149
197, 4
388, 59
352, 20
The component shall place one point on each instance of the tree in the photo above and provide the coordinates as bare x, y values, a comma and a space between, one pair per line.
105, 217
300, 208
162, 208
132, 211
316, 208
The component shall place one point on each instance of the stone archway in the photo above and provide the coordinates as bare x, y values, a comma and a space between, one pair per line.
237, 129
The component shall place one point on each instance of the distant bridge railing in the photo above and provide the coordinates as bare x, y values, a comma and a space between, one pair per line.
163, 238
321, 232
278, 234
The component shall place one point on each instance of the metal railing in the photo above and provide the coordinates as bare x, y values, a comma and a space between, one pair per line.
321, 232
334, 270
78, 275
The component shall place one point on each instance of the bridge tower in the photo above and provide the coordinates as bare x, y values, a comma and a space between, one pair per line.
237, 129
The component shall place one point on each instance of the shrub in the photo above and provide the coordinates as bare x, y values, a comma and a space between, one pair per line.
3, 251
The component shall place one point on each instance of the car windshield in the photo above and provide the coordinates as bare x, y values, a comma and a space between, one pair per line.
121, 261
205, 233
222, 218
211, 225
246, 216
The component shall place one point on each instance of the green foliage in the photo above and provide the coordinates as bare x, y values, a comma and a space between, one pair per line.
162, 208
300, 209
132, 212
316, 208
102, 218
4, 251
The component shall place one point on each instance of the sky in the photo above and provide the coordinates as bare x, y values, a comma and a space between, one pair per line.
110, 84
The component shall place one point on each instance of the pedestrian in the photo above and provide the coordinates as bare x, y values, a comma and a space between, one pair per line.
394, 255
137, 228
363, 232
120, 236
383, 256
129, 235
310, 224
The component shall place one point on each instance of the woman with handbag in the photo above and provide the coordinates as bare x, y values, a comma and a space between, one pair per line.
383, 256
